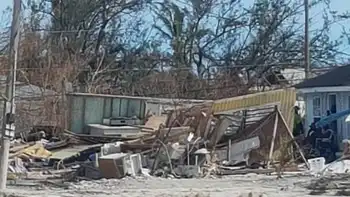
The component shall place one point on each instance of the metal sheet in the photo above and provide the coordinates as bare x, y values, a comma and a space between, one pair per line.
107, 107
92, 109
284, 98
134, 107
71, 151
124, 105
116, 107
76, 112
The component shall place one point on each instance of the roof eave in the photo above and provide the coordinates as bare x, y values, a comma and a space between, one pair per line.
307, 90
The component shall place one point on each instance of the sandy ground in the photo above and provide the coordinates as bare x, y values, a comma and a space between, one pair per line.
228, 186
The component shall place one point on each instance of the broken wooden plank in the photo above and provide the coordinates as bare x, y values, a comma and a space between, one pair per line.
295, 143
246, 171
154, 122
273, 139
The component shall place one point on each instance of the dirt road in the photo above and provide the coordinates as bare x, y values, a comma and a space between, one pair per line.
157, 187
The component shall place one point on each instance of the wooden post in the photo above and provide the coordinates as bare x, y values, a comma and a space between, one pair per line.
296, 144
188, 154
229, 150
273, 138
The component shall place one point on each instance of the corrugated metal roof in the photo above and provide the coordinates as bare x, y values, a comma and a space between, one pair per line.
285, 98
253, 115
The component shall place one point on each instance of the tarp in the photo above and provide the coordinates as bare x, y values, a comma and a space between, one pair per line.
326, 120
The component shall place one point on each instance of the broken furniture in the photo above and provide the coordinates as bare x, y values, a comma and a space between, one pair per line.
113, 166
119, 165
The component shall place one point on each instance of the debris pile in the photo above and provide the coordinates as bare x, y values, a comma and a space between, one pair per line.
186, 142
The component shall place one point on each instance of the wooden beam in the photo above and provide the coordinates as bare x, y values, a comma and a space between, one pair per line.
273, 138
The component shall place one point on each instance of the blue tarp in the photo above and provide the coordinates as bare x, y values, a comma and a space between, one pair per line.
326, 120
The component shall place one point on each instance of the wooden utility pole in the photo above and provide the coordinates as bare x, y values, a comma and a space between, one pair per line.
8, 127
306, 41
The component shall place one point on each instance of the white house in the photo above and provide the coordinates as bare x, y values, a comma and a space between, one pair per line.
327, 93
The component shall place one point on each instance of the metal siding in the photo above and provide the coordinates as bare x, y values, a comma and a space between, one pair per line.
76, 114
107, 113
284, 98
93, 110
115, 107
124, 105
134, 108
142, 110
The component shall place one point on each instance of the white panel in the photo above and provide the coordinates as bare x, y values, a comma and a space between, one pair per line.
346, 126
239, 151
324, 104
308, 111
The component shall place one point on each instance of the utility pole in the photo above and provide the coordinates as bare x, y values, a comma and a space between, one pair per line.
8, 127
306, 41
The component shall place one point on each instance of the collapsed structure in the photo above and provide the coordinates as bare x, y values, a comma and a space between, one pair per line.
251, 133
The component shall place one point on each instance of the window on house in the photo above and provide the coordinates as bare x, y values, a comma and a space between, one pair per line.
316, 104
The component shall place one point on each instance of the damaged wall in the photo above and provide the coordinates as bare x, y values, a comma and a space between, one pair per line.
85, 108
93, 108
284, 98
264, 130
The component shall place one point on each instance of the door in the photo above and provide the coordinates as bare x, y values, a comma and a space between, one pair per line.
316, 108
332, 109
332, 103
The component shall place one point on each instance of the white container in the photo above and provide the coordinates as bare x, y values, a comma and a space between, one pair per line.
317, 164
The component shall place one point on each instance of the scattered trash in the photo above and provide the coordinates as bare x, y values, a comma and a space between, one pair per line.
317, 164
186, 142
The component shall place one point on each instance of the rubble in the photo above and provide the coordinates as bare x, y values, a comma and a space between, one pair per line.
187, 171
188, 142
